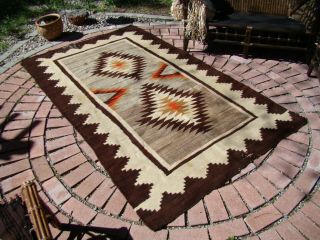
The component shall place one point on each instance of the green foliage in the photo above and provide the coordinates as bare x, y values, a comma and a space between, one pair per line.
232, 238
166, 2
103, 5
13, 26
140, 2
14, 14
3, 45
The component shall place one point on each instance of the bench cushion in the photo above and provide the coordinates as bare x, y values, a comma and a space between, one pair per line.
260, 22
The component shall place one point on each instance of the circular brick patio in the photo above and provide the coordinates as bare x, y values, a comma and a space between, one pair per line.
275, 197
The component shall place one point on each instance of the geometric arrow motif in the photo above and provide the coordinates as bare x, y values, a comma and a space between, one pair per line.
119, 92
159, 73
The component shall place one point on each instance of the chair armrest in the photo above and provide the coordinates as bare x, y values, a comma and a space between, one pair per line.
294, 9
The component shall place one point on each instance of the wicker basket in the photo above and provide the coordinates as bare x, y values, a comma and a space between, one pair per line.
50, 26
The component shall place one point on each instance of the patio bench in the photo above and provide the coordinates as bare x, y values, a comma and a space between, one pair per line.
285, 24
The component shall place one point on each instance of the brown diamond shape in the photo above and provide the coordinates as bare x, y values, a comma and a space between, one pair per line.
138, 65
151, 106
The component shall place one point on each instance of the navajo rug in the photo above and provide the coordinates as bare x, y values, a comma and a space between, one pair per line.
167, 127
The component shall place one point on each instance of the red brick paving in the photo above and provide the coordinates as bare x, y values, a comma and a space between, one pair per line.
248, 193
102, 220
41, 168
263, 218
307, 180
78, 174
19, 124
60, 142
283, 166
14, 168
17, 95
89, 184
116, 204
312, 211
197, 215
37, 148
15, 181
178, 222
305, 226
56, 191
130, 214
215, 206
102, 193
79, 211
290, 157
269, 234
228, 229
279, 186
274, 176
59, 132
37, 128
233, 201
69, 163
191, 234
289, 232
140, 232
289, 200
64, 153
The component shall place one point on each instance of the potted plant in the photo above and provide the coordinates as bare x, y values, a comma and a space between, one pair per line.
50, 26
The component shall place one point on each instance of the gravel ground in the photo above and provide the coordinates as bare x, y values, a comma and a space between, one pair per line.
96, 21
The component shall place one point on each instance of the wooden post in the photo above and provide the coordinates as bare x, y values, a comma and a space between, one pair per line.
185, 16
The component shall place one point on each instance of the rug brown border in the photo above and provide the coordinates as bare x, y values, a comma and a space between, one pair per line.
173, 204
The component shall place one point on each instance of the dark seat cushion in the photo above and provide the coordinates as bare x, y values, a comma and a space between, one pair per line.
260, 22
222, 8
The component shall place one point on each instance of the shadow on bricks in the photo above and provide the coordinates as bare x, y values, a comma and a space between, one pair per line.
16, 145
78, 231
279, 55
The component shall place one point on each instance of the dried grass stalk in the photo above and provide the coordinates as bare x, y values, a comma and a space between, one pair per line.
196, 24
177, 9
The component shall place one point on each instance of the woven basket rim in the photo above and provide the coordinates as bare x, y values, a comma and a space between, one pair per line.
48, 15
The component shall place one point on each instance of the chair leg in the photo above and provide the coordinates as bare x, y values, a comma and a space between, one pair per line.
184, 23
315, 60
310, 69
185, 43
185, 39
247, 40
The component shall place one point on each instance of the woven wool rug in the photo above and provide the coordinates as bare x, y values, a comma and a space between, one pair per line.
167, 127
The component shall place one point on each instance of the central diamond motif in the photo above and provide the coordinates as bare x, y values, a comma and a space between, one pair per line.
166, 107
115, 64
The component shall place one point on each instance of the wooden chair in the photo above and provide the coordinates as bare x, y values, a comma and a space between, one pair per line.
285, 24
40, 217
14, 224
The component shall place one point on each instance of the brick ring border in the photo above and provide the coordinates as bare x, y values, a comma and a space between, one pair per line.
266, 203
255, 210
301, 170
